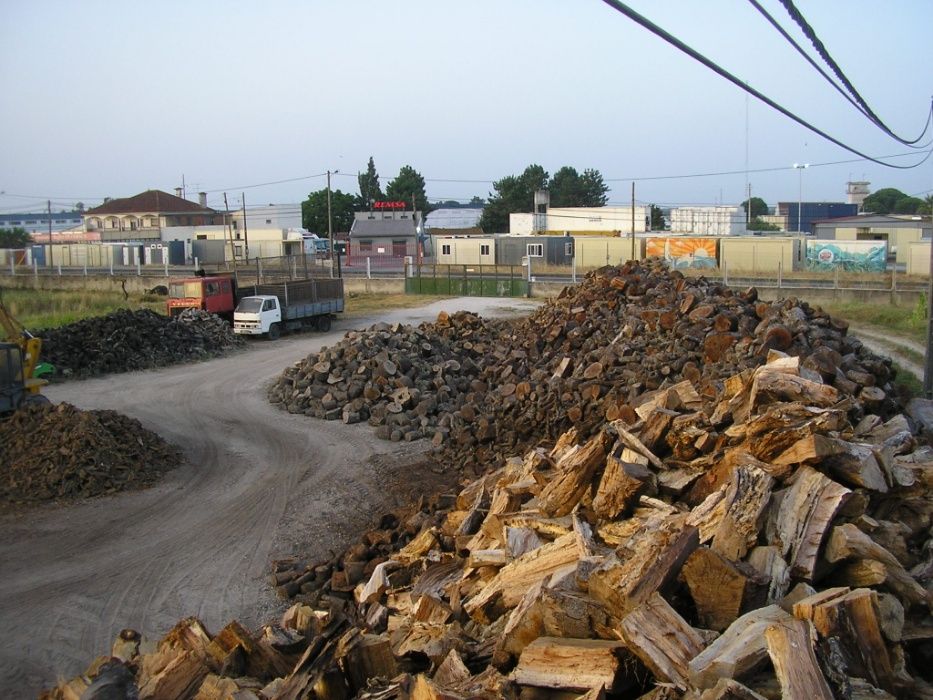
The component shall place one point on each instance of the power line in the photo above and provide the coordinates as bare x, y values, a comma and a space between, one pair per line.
719, 70
808, 31
857, 101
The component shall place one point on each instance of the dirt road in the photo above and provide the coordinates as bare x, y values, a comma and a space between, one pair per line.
259, 484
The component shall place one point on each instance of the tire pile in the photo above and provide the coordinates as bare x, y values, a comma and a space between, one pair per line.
125, 341
487, 389
59, 452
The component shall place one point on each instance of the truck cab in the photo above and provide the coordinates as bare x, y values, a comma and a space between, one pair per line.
258, 315
213, 293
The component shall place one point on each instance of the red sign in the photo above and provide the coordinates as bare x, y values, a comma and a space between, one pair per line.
389, 205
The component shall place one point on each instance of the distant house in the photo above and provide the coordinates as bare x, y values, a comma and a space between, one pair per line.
38, 222
389, 234
898, 231
144, 216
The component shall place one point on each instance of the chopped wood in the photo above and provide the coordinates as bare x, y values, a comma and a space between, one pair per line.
574, 476
619, 488
570, 664
722, 589
790, 646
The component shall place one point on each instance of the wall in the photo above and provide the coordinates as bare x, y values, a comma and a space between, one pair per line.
918, 258
684, 252
759, 254
596, 252
595, 219
899, 238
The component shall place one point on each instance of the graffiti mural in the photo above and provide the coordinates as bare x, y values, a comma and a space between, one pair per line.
850, 256
683, 253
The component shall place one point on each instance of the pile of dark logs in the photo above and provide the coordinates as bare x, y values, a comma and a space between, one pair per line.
765, 536
125, 340
483, 390
60, 453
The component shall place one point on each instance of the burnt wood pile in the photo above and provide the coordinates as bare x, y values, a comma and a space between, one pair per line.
62, 453
125, 340
763, 532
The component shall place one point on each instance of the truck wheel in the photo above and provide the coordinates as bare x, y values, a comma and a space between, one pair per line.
323, 324
274, 331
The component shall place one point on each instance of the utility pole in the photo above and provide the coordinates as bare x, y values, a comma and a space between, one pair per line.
330, 225
633, 220
49, 208
245, 229
414, 218
229, 232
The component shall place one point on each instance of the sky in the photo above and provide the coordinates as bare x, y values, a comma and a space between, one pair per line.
109, 99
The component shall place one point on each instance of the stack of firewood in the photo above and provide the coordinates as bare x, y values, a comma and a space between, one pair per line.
770, 539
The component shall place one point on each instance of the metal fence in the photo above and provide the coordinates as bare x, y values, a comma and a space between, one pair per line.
467, 280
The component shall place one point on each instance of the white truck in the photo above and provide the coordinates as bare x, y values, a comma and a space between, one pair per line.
272, 309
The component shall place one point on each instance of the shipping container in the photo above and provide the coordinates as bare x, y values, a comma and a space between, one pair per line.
540, 250
760, 254
597, 252
918, 258
455, 250
850, 256
684, 252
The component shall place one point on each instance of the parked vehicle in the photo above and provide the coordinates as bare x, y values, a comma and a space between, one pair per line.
20, 369
214, 293
273, 309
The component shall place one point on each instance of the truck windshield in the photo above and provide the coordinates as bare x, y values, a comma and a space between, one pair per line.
249, 305
182, 290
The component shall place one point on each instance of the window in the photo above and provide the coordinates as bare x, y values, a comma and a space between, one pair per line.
535, 250
366, 246
568, 249
211, 288
225, 287
484, 249
268, 221
268, 305
445, 249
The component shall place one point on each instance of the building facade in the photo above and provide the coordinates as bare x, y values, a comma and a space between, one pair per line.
801, 215
708, 221
143, 216
34, 222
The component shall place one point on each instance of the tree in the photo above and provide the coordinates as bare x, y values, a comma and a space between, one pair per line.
657, 218
408, 182
927, 207
512, 194
314, 211
759, 225
595, 190
883, 201
908, 205
570, 189
14, 238
477, 201
79, 206
759, 207
370, 191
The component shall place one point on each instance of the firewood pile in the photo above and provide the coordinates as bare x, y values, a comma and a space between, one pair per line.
483, 390
125, 340
771, 538
62, 453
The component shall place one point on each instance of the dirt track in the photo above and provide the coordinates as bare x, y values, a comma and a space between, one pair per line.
259, 484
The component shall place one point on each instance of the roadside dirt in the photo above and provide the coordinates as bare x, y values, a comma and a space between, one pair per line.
892, 346
258, 484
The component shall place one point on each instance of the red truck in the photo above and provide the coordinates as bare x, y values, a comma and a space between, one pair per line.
216, 294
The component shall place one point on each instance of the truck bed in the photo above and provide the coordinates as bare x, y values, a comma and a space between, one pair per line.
309, 309
298, 291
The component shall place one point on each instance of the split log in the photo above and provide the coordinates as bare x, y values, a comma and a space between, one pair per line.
851, 463
370, 656
633, 443
771, 385
571, 664
574, 476
803, 518
662, 639
259, 660
722, 589
728, 689
619, 488
790, 646
769, 562
740, 650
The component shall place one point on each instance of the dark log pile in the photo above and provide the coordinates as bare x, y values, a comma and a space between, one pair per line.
760, 533
62, 453
124, 341
486, 389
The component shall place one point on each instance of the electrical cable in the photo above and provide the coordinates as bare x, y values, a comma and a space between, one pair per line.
820, 48
857, 101
624, 9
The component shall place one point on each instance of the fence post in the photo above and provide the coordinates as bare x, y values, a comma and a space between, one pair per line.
894, 284
35, 270
85, 268
59, 265
111, 263
165, 260
259, 273
725, 273
573, 267
369, 271
139, 268
13, 265
780, 273
836, 277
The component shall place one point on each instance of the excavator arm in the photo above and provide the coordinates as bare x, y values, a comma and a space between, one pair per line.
30, 346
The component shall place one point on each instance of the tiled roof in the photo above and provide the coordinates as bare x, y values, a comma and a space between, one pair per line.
155, 201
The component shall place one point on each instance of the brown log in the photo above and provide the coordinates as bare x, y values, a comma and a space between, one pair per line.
721, 589
574, 476
369, 657
619, 488
851, 463
769, 562
790, 647
570, 664
656, 425
633, 443
804, 516
728, 689
662, 639
773, 385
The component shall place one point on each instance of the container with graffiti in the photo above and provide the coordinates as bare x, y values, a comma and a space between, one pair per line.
683, 253
849, 256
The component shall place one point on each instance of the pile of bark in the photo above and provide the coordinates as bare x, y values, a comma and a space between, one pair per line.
483, 390
771, 538
61, 453
125, 340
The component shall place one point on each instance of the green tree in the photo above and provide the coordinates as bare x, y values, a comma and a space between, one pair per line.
657, 218
759, 207
14, 238
883, 201
513, 193
314, 211
477, 200
595, 189
570, 189
370, 191
908, 205
759, 225
927, 207
408, 182
79, 206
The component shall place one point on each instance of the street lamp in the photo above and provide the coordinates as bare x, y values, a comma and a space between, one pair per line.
800, 167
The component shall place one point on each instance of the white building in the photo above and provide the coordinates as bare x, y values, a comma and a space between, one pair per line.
582, 219
708, 221
268, 216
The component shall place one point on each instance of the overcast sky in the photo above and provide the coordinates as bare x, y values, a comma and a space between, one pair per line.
111, 98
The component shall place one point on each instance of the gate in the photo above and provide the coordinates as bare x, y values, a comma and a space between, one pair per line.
466, 280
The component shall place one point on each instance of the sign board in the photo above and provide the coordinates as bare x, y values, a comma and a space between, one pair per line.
389, 205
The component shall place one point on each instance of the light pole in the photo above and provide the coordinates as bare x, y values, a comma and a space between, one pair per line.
330, 224
800, 167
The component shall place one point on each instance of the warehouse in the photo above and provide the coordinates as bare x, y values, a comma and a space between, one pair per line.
540, 250
898, 231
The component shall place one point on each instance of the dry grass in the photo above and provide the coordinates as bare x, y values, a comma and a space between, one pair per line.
366, 304
50, 309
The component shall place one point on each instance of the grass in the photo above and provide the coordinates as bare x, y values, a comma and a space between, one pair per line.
50, 309
907, 382
907, 322
366, 304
